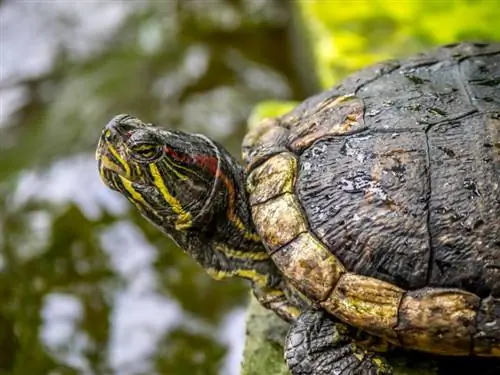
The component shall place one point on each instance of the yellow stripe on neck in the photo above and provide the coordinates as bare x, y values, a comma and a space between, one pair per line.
259, 279
238, 223
136, 196
244, 255
184, 219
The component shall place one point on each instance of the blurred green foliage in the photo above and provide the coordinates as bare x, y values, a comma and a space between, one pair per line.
338, 37
268, 109
194, 65
71, 250
348, 35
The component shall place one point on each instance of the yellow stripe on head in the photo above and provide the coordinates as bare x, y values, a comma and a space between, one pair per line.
170, 166
123, 162
101, 170
136, 197
184, 219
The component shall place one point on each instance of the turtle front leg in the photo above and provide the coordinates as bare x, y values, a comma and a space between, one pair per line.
278, 299
319, 344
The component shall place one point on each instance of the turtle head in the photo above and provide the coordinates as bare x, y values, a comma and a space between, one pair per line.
194, 191
170, 176
179, 181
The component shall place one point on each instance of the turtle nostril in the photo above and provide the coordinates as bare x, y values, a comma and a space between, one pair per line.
118, 128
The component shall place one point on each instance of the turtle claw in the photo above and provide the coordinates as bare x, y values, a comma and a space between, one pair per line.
317, 344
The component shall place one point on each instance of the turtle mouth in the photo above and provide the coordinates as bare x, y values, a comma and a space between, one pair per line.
106, 162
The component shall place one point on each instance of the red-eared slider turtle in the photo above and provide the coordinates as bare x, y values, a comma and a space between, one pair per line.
373, 205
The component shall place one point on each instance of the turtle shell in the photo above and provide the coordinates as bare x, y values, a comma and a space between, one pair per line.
395, 172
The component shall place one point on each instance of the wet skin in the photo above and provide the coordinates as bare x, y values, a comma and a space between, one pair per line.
345, 219
190, 188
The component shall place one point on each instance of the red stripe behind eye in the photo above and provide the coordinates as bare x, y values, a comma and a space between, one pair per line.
209, 162
176, 156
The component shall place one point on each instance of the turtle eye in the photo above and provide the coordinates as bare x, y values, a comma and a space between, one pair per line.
146, 152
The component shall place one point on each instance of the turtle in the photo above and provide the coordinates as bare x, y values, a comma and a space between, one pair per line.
368, 216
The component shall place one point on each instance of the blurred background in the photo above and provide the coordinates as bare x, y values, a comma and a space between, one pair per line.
86, 285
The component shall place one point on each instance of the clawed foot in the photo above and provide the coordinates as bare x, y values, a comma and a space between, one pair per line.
317, 344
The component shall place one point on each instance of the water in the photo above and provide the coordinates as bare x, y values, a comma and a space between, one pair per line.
87, 286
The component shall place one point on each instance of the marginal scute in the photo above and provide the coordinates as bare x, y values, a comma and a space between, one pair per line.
335, 115
392, 151
274, 177
279, 220
366, 303
487, 328
438, 320
309, 261
268, 137
340, 115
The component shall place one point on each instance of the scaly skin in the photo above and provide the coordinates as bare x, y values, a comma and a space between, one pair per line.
438, 293
193, 190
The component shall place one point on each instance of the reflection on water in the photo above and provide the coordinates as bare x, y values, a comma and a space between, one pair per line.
87, 286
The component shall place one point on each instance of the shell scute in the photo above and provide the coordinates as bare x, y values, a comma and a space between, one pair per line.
389, 218
279, 220
307, 259
274, 177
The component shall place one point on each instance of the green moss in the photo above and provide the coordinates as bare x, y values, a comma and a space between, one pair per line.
263, 355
